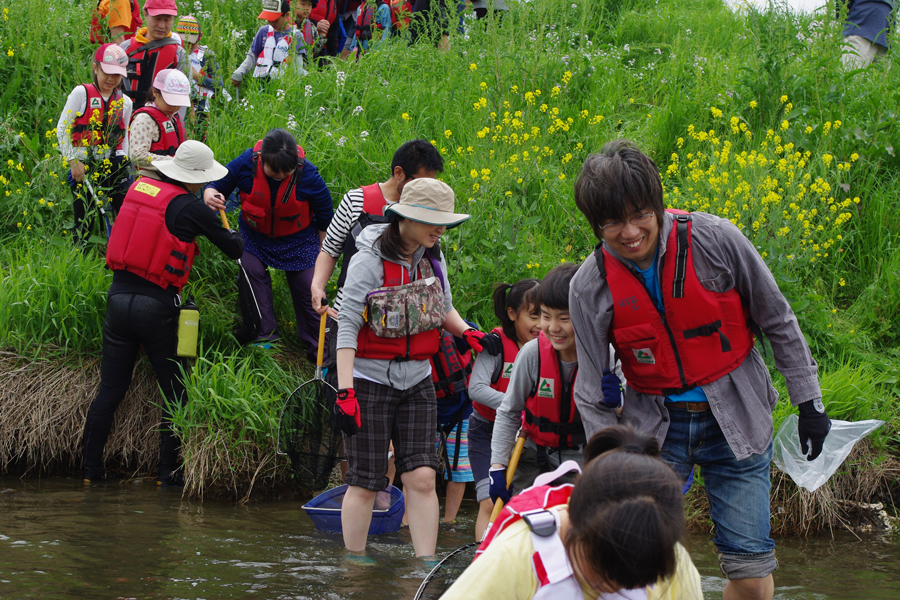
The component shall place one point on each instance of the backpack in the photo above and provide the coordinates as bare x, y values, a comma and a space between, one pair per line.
451, 368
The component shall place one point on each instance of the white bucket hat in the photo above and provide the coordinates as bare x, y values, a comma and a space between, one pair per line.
428, 201
193, 163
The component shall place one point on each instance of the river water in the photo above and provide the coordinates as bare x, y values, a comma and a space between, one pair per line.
60, 539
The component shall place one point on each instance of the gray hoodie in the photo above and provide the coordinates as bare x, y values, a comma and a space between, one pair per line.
364, 274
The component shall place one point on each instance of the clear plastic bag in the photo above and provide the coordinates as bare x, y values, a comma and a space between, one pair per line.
811, 475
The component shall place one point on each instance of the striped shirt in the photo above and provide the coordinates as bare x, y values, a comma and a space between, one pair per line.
345, 217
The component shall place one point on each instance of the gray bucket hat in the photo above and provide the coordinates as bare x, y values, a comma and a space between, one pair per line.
193, 163
428, 201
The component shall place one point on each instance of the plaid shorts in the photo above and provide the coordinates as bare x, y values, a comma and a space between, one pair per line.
406, 417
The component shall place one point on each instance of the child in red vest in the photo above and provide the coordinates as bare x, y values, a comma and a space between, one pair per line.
91, 132
515, 306
541, 384
614, 535
271, 48
157, 130
396, 299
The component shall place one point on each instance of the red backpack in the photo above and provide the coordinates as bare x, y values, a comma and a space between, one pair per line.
451, 368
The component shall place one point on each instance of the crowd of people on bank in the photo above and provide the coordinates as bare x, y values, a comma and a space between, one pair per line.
622, 374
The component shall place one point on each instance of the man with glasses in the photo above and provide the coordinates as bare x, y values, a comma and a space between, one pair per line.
680, 295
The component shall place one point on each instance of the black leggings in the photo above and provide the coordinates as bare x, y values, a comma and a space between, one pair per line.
132, 320
113, 180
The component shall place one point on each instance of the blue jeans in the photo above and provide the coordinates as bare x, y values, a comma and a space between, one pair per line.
738, 490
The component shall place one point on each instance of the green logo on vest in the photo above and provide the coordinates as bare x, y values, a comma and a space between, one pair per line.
644, 356
507, 370
545, 388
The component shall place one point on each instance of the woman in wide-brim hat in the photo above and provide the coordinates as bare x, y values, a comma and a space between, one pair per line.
151, 251
385, 388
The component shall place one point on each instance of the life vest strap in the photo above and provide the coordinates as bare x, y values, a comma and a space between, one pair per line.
545, 425
707, 330
681, 224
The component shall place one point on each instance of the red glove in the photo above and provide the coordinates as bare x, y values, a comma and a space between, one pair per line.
480, 341
348, 411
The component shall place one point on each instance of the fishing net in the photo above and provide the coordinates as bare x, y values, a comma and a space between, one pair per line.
446, 572
305, 432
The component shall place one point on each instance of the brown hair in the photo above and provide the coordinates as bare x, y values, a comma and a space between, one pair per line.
625, 512
617, 182
391, 242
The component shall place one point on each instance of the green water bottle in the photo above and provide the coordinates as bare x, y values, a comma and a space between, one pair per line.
188, 328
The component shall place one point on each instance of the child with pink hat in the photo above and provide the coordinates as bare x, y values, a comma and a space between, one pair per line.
157, 129
91, 130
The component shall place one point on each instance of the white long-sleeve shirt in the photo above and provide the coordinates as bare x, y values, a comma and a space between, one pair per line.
76, 104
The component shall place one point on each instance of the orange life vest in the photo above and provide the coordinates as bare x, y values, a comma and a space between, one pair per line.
99, 32
140, 242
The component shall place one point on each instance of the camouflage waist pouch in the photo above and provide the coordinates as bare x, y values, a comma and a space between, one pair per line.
401, 310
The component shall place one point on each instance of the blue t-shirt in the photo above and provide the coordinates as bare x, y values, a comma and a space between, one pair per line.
651, 283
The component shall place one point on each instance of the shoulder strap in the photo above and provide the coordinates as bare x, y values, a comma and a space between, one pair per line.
682, 229
153, 45
373, 200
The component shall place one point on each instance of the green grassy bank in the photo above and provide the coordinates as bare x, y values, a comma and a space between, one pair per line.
747, 115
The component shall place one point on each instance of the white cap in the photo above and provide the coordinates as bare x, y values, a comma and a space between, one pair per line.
175, 87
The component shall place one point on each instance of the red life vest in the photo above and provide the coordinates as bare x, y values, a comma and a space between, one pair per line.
140, 242
326, 10
110, 130
551, 418
510, 351
98, 31
171, 131
364, 23
704, 335
539, 497
398, 8
421, 346
143, 65
372, 212
279, 215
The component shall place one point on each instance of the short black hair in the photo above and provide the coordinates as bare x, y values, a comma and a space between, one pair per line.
415, 155
616, 182
279, 151
554, 289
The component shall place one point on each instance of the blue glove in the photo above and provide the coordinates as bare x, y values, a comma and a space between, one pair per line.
612, 390
498, 485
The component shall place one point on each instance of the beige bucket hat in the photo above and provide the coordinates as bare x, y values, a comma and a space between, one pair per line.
193, 163
428, 201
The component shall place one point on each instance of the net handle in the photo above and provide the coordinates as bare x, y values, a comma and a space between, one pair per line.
510, 473
320, 355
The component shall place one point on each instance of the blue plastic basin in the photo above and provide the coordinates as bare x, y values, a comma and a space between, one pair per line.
325, 510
